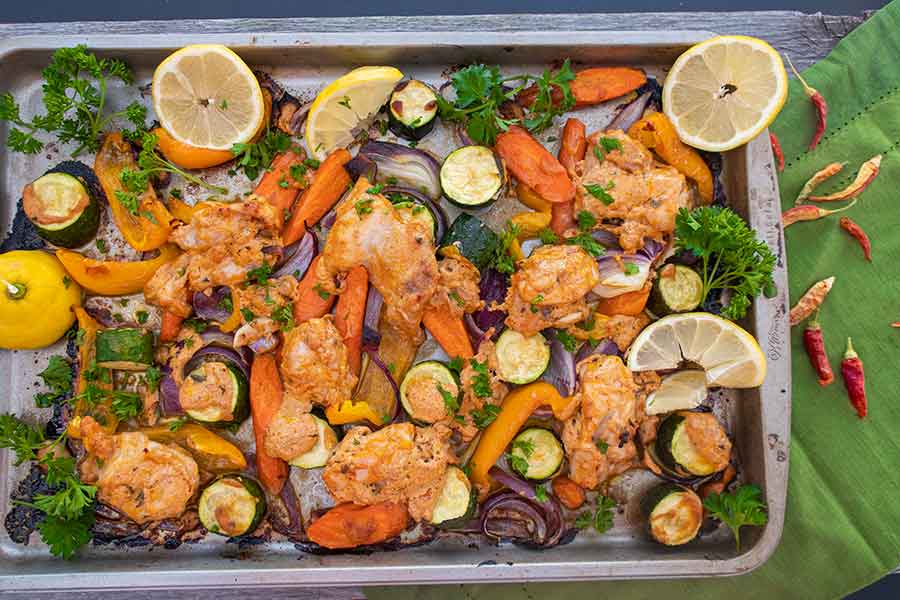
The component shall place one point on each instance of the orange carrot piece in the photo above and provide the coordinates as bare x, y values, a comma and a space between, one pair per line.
350, 312
629, 303
171, 325
329, 184
573, 145
593, 86
570, 494
266, 394
562, 217
350, 525
312, 301
534, 166
277, 186
450, 332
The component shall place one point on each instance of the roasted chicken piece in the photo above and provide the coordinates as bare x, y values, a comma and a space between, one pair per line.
316, 370
549, 289
262, 300
621, 329
457, 291
599, 437
481, 386
221, 223
398, 255
645, 195
400, 463
144, 480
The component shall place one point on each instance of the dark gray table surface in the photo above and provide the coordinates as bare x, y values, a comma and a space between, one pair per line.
817, 35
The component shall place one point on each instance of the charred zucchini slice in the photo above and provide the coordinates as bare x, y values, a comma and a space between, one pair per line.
61, 209
318, 455
681, 290
476, 241
222, 381
537, 453
458, 500
521, 359
232, 505
124, 349
674, 514
471, 177
692, 443
412, 110
429, 392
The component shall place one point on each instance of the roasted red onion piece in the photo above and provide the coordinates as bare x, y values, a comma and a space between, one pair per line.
560, 372
298, 256
409, 166
210, 306
492, 288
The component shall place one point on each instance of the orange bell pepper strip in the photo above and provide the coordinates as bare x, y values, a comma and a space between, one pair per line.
657, 133
350, 312
514, 412
212, 452
149, 228
277, 185
312, 301
181, 210
330, 182
629, 303
87, 335
266, 395
534, 166
449, 331
112, 277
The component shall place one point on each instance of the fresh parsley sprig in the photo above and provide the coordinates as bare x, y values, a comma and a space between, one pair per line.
742, 507
58, 377
74, 97
254, 157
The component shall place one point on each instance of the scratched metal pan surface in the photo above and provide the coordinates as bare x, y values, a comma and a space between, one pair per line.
758, 419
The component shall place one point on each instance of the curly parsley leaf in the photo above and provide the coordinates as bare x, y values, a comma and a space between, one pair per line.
482, 417
254, 157
58, 377
742, 507
21, 438
65, 536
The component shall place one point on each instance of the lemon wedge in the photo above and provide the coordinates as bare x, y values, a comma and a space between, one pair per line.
344, 104
206, 96
723, 92
727, 353
682, 390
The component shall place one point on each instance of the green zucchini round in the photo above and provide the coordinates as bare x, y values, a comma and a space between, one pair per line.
412, 109
681, 291
457, 502
124, 349
239, 406
423, 391
674, 514
538, 449
521, 359
476, 241
319, 454
472, 177
232, 505
62, 209
676, 453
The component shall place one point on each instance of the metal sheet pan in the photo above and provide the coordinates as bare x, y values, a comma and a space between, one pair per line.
759, 419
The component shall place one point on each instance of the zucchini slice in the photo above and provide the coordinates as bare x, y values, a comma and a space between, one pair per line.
412, 109
692, 443
540, 450
674, 514
681, 291
475, 240
458, 500
61, 209
319, 454
125, 349
427, 392
521, 359
225, 385
471, 177
232, 505
410, 211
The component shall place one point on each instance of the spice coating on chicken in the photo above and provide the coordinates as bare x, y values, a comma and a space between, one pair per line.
457, 291
481, 386
145, 480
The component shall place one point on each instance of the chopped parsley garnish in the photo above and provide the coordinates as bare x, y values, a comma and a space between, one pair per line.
126, 405
226, 304
601, 518
455, 297
630, 269
101, 245
375, 189
58, 377
600, 192
742, 507
363, 207
283, 183
586, 220
535, 301
590, 245
456, 365
198, 325
297, 172
66, 281
153, 376
260, 274
284, 316
177, 424
481, 382
568, 341
391, 180
525, 446
485, 416
324, 295
547, 236
540, 492
141, 316
254, 157
517, 463
312, 163
604, 146
451, 402
502, 260
345, 102
602, 446
247, 314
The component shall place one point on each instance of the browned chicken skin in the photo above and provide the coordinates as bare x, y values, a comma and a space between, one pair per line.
457, 291
472, 401
646, 195
400, 463
398, 255
145, 480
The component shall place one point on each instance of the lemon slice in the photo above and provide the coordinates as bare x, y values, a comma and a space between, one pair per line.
344, 104
682, 390
729, 354
723, 92
206, 96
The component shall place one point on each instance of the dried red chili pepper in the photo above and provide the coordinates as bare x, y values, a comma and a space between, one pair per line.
859, 235
814, 342
776, 150
809, 212
819, 104
811, 300
818, 177
895, 324
855, 380
866, 175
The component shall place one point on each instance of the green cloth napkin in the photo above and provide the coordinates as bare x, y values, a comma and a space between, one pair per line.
842, 529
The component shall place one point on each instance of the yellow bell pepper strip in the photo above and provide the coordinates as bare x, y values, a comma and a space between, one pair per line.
212, 452
514, 412
234, 319
87, 334
515, 250
530, 224
149, 228
657, 133
531, 199
181, 210
349, 411
112, 277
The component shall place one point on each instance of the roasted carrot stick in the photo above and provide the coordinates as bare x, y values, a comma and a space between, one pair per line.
573, 145
349, 314
350, 525
329, 184
629, 303
593, 86
449, 331
171, 325
277, 186
534, 166
312, 301
266, 394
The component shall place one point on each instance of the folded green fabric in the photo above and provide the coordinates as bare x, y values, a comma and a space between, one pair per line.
842, 529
